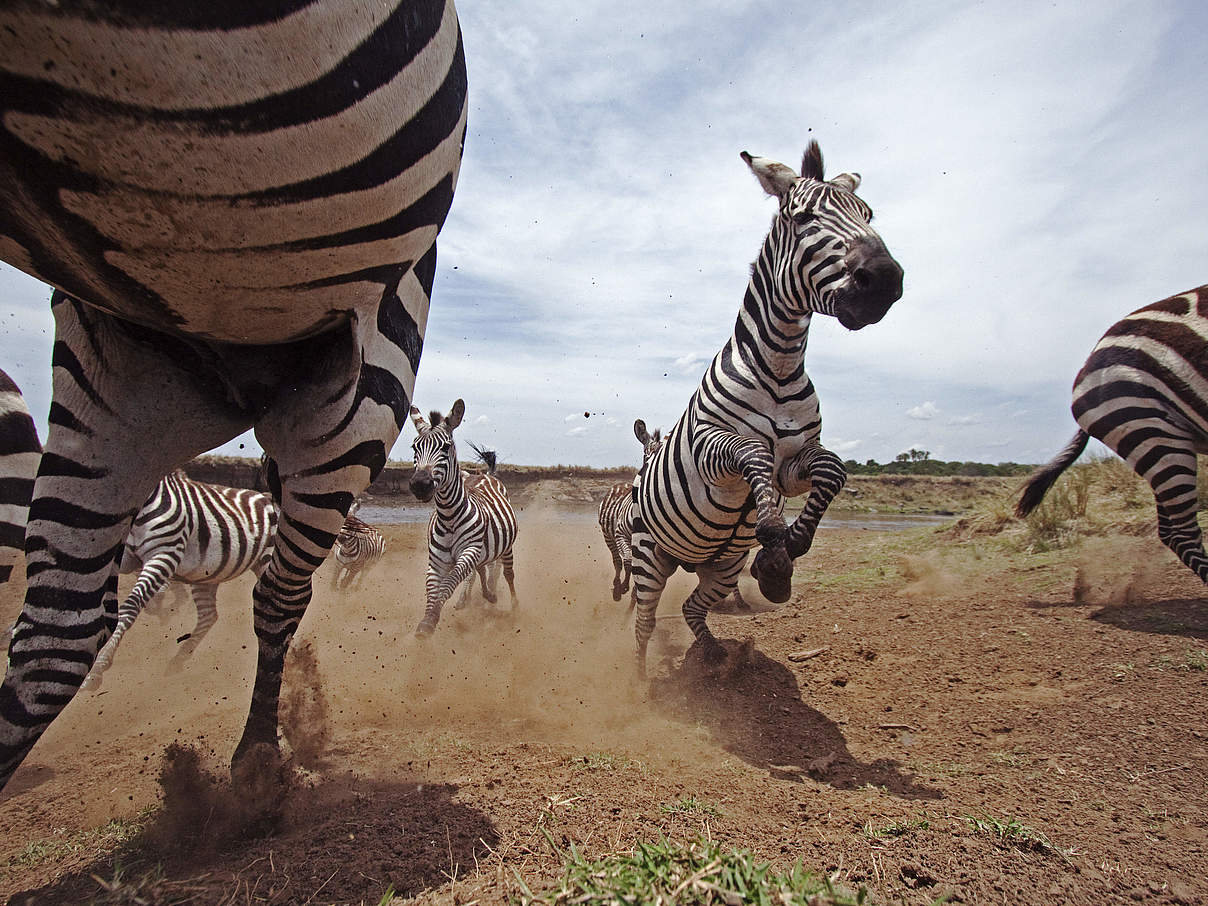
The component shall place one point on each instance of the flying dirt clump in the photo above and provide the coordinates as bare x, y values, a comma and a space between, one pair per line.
304, 709
202, 812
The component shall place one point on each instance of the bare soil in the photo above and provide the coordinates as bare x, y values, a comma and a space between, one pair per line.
931, 716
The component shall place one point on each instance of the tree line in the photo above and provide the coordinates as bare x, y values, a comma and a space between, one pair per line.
919, 462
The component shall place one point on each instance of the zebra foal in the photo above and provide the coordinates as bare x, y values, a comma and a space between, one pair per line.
616, 514
196, 533
238, 206
473, 524
1143, 392
359, 547
751, 433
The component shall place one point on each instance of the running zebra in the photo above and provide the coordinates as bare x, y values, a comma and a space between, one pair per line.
19, 455
616, 514
750, 435
1144, 393
473, 524
359, 547
237, 205
192, 532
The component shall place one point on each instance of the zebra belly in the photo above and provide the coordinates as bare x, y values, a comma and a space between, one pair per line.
245, 185
707, 523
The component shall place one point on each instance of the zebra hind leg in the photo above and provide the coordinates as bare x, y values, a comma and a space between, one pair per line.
205, 600
715, 583
509, 574
652, 567
1173, 480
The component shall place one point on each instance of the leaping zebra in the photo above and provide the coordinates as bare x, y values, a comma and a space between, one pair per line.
472, 526
1143, 392
20, 451
750, 435
359, 547
192, 532
616, 514
238, 205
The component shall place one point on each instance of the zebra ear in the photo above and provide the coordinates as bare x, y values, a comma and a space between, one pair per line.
453, 419
639, 431
849, 181
776, 178
418, 420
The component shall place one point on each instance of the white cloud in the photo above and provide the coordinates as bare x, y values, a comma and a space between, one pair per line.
924, 412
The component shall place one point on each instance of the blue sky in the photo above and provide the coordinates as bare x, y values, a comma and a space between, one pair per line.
1037, 168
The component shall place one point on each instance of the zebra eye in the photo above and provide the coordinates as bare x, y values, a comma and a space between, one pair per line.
803, 218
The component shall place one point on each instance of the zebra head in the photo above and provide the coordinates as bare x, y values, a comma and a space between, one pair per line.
821, 255
650, 442
433, 450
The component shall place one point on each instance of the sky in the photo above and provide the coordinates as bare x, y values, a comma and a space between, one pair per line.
1038, 169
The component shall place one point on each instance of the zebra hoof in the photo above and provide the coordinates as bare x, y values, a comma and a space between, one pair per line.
617, 591
424, 629
773, 570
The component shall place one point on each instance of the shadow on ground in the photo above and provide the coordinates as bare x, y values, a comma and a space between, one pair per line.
345, 840
1175, 616
755, 711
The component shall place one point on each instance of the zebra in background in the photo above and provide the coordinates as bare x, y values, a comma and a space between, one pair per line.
616, 514
1143, 392
359, 547
473, 524
237, 205
750, 435
20, 452
192, 532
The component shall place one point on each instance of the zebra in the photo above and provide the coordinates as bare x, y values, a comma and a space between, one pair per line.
473, 524
359, 547
750, 434
616, 514
1143, 392
20, 451
192, 532
237, 206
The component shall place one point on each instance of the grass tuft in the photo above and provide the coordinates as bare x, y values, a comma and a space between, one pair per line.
697, 874
690, 805
1013, 832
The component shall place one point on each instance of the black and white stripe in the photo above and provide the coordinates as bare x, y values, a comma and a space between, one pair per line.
751, 433
616, 514
238, 206
192, 532
359, 547
1143, 392
19, 455
473, 524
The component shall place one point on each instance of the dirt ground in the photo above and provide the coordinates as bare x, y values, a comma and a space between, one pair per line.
927, 718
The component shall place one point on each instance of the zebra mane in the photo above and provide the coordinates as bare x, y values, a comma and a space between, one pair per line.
487, 457
811, 162
434, 418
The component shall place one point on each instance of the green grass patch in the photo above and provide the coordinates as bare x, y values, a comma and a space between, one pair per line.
1013, 832
695, 874
690, 805
895, 829
63, 845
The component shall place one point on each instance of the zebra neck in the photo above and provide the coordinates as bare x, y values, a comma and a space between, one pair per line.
769, 336
451, 495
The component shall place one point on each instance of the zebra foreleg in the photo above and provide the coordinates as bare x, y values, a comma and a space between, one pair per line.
509, 575
152, 580
821, 473
772, 567
442, 589
620, 584
124, 413
205, 601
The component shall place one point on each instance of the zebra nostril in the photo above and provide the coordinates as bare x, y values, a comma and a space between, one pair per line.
861, 278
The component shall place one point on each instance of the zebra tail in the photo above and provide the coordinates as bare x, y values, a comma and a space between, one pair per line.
487, 457
1043, 478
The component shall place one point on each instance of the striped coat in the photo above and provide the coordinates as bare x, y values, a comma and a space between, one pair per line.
359, 547
237, 205
19, 455
751, 434
473, 524
1143, 392
616, 515
192, 532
